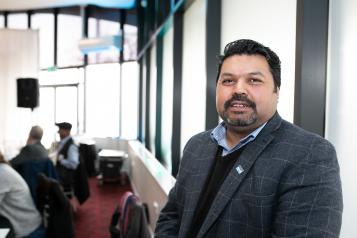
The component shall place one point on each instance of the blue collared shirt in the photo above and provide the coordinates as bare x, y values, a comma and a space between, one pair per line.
219, 135
72, 160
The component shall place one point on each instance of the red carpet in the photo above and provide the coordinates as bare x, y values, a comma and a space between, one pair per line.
92, 219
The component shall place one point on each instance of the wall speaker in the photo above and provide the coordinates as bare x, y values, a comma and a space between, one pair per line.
27, 92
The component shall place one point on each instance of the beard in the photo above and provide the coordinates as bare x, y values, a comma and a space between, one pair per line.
244, 120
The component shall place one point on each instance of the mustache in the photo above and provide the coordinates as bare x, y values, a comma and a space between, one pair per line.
239, 97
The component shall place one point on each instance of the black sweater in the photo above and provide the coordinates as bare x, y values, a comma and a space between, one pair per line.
219, 171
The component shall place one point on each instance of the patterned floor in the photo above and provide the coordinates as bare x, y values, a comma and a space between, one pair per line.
92, 219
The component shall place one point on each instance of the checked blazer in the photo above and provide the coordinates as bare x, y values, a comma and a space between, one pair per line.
286, 183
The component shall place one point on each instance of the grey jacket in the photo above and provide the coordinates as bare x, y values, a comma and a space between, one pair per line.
30, 152
286, 183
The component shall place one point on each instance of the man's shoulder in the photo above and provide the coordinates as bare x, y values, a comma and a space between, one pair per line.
197, 140
294, 134
204, 135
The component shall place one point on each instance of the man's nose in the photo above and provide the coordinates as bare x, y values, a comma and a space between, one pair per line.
240, 87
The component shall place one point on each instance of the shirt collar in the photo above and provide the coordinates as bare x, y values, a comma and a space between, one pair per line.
219, 135
63, 141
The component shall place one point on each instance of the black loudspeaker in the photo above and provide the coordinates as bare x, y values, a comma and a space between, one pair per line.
27, 92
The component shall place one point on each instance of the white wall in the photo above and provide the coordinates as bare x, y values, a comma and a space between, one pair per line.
149, 179
273, 24
341, 112
18, 58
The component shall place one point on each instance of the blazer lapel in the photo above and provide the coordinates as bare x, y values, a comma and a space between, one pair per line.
239, 172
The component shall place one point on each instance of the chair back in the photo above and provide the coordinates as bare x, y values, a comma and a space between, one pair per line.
30, 169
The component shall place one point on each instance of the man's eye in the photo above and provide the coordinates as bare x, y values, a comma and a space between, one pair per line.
254, 81
227, 81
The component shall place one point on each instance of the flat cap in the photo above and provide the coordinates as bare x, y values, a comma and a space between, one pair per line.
64, 125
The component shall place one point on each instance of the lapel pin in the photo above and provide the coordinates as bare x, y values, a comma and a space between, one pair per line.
239, 169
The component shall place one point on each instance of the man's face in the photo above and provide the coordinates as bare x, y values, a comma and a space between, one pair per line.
245, 96
63, 133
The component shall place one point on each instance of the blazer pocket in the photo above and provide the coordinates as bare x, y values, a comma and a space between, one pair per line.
259, 200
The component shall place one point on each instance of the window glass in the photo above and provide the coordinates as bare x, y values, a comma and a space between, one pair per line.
130, 42
152, 106
56, 85
102, 28
2, 21
102, 100
167, 98
80, 113
69, 34
93, 27
17, 21
62, 76
45, 23
57, 104
46, 112
142, 119
108, 27
130, 100
66, 106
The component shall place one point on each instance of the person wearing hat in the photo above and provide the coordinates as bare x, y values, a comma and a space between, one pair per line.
67, 156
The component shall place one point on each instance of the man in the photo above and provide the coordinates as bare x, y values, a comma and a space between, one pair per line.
255, 174
34, 150
67, 156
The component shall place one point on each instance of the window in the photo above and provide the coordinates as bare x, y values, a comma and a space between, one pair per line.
167, 98
102, 100
98, 28
69, 34
17, 21
61, 99
66, 105
130, 100
45, 23
2, 21
47, 115
152, 106
130, 42
62, 77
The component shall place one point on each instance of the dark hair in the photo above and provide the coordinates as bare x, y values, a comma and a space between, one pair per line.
250, 47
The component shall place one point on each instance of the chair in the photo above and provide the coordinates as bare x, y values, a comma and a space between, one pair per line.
31, 168
55, 208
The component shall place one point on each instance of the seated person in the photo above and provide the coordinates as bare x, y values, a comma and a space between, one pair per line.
33, 149
16, 203
67, 156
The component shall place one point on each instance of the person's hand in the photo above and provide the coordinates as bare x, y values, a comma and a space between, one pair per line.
60, 157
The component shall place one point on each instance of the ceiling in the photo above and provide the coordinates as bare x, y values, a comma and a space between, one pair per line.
13, 5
